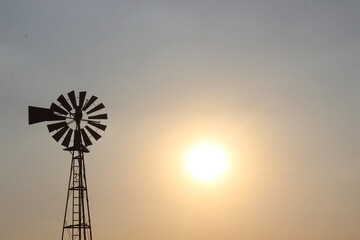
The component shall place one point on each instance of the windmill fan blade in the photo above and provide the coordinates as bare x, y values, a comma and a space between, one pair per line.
85, 138
81, 99
101, 116
88, 103
37, 114
67, 138
72, 98
60, 133
98, 125
77, 138
56, 126
93, 133
96, 108
58, 109
64, 103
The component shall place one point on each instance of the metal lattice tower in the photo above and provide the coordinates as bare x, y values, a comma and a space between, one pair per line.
74, 122
77, 221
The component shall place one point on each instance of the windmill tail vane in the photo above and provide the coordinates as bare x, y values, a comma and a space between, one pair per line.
75, 122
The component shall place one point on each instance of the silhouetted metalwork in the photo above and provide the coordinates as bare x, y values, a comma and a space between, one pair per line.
76, 121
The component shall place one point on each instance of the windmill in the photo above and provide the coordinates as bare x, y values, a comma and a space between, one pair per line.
74, 122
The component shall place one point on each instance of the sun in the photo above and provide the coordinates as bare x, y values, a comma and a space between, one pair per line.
206, 162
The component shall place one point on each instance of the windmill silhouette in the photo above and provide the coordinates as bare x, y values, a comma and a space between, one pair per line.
76, 121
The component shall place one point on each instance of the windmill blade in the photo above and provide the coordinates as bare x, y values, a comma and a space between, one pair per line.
85, 138
77, 138
93, 133
81, 98
37, 114
60, 133
64, 103
55, 126
98, 125
58, 109
72, 98
96, 108
67, 138
88, 103
101, 116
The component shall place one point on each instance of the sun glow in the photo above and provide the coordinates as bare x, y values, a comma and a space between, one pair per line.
207, 162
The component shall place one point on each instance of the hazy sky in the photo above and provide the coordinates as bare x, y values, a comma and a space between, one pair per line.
276, 83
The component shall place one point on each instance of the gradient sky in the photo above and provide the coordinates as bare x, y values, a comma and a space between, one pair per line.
275, 82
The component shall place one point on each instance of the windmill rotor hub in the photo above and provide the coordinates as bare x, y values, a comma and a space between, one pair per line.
78, 115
